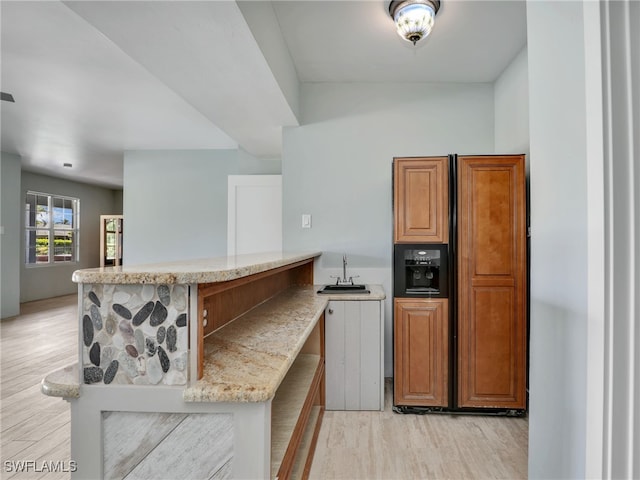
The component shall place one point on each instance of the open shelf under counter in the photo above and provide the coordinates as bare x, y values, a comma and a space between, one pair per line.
247, 359
273, 354
302, 465
291, 409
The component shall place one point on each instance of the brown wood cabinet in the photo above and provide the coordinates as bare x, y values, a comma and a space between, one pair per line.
421, 351
491, 282
421, 199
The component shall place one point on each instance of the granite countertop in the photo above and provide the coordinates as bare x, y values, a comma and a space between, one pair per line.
62, 383
206, 270
246, 360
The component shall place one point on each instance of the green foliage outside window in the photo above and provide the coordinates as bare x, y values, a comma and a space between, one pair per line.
61, 246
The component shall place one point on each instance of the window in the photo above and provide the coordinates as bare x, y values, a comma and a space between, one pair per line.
52, 229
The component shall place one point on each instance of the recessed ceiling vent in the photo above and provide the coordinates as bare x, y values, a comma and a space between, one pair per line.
6, 97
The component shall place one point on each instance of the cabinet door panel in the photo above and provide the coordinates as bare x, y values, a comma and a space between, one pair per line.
421, 192
493, 234
353, 345
354, 355
371, 373
491, 282
492, 345
421, 333
334, 356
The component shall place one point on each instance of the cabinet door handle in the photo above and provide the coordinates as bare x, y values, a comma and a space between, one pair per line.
330, 311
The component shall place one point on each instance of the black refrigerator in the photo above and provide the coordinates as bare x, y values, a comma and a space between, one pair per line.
460, 270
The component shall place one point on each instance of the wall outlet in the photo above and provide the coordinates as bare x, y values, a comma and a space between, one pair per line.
306, 220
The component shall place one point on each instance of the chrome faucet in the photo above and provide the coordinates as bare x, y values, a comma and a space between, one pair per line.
343, 280
344, 267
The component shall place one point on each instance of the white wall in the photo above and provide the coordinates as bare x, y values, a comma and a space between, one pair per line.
51, 281
612, 36
337, 166
559, 243
175, 202
247, 164
511, 105
262, 20
117, 196
10, 215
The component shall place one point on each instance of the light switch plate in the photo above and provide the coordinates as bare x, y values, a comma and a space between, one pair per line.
306, 220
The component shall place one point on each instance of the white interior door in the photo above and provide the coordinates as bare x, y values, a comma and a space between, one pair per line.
255, 214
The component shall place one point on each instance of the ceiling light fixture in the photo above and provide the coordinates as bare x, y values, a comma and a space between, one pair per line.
414, 19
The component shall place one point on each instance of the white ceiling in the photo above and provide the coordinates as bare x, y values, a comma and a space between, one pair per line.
94, 79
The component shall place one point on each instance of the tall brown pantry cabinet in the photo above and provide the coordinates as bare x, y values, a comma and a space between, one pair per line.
467, 351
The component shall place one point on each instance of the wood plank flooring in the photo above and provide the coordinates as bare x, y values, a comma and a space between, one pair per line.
387, 445
34, 427
351, 445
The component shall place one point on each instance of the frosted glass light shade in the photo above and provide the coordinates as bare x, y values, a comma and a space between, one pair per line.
414, 19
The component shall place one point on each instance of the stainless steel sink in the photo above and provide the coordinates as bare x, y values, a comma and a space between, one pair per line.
347, 288
344, 284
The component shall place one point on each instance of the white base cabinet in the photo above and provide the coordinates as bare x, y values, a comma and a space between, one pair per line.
354, 355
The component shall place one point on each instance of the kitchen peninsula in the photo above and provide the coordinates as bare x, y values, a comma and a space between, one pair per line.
161, 391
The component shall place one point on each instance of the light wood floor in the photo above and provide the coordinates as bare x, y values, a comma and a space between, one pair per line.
387, 445
35, 427
351, 445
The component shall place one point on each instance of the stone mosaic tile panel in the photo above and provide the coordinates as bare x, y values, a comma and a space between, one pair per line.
135, 334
